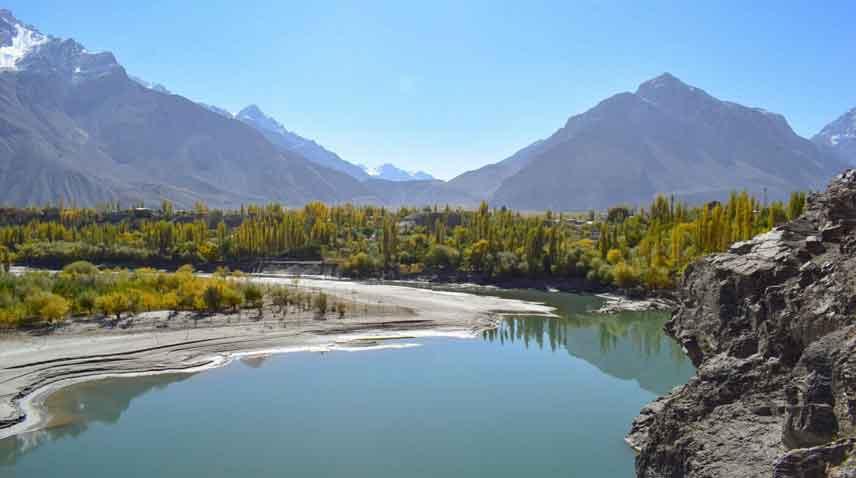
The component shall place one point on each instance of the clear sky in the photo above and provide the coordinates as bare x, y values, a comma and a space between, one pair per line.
448, 86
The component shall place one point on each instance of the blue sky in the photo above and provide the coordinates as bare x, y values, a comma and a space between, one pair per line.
451, 86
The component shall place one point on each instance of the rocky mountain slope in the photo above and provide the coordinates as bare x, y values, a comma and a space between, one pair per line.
75, 127
770, 326
840, 136
667, 137
288, 141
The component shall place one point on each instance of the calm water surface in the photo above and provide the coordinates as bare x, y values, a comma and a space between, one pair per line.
537, 397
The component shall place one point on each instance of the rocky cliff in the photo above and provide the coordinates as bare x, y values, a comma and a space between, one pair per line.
770, 326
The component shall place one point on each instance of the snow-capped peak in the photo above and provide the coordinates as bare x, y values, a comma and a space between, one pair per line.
16, 40
842, 129
255, 115
390, 172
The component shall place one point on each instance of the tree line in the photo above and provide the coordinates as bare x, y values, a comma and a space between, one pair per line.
628, 247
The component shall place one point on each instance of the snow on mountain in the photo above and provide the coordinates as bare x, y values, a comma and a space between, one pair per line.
391, 172
24, 48
16, 40
152, 86
840, 136
841, 129
286, 140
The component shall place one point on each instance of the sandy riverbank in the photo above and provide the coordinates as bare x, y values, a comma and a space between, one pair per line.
32, 367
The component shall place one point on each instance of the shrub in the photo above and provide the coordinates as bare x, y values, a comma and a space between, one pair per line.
625, 276
442, 257
321, 303
213, 297
46, 306
113, 303
232, 298
253, 295
80, 268
86, 302
341, 309
360, 265
280, 298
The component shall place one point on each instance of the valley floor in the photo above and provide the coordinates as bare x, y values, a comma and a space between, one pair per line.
33, 366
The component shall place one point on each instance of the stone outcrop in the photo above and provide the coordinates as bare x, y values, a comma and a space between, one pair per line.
770, 326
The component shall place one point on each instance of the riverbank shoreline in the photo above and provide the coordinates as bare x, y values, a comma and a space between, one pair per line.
35, 366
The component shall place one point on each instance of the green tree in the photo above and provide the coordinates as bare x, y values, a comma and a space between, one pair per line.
213, 297
113, 304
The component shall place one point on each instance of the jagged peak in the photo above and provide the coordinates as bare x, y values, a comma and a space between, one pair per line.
253, 114
668, 86
842, 129
665, 79
252, 111
17, 40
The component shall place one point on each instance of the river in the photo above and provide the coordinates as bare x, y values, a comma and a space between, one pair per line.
536, 397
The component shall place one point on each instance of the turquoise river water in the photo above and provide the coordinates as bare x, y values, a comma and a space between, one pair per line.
538, 397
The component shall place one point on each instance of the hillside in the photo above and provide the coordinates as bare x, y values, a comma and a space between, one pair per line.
76, 128
667, 137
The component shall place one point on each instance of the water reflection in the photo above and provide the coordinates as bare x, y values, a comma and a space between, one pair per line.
74, 409
629, 345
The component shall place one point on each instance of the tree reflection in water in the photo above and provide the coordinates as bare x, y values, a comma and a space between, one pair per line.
77, 407
628, 345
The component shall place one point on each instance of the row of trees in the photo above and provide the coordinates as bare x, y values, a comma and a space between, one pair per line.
81, 289
628, 247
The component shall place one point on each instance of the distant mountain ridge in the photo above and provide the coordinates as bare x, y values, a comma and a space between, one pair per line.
75, 127
390, 172
666, 138
289, 141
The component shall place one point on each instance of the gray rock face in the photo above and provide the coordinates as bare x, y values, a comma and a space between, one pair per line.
770, 327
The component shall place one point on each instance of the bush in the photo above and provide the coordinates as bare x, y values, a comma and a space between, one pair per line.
232, 298
46, 306
360, 265
321, 303
80, 268
613, 256
341, 309
113, 303
625, 276
11, 318
213, 297
442, 257
86, 302
253, 295
280, 298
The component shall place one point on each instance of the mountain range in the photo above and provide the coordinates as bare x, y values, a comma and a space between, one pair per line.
74, 126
